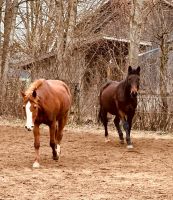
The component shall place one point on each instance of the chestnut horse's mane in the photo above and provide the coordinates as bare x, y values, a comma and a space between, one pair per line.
34, 86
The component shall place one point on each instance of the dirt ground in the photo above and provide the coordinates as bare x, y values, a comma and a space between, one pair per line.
88, 169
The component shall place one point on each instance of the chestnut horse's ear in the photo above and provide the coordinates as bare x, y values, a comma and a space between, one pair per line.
138, 70
129, 70
23, 94
34, 94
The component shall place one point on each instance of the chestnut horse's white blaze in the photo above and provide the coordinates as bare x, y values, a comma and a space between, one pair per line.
29, 122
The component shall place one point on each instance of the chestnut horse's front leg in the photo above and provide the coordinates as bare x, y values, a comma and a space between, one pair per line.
52, 129
59, 133
36, 145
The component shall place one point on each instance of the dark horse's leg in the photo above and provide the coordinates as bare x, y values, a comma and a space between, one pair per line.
129, 119
52, 129
127, 124
104, 120
117, 125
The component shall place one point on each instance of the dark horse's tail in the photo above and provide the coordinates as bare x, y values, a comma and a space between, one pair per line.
100, 115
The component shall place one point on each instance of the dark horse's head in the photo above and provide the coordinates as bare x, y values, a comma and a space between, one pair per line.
133, 78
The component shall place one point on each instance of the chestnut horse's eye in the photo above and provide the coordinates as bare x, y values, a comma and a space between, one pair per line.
23, 106
35, 106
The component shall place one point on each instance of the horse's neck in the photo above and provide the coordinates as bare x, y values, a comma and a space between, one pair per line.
126, 89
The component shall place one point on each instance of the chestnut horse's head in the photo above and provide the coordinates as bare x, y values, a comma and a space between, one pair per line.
30, 106
133, 79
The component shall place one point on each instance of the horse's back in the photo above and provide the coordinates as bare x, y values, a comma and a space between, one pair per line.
107, 94
61, 90
109, 89
55, 96
59, 86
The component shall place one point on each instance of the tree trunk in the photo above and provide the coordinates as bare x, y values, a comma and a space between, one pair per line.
163, 81
69, 40
1, 4
60, 28
66, 37
9, 25
72, 12
135, 31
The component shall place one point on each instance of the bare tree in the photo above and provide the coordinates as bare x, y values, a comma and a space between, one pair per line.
136, 20
162, 35
158, 29
9, 25
1, 4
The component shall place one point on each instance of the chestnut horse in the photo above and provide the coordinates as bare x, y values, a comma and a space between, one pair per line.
47, 102
120, 99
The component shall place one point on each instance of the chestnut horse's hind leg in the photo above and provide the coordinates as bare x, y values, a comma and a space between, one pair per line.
36, 145
59, 133
117, 125
52, 129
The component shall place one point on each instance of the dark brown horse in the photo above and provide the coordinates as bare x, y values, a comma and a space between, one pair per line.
47, 102
120, 99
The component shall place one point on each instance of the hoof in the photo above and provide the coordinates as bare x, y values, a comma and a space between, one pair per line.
55, 157
107, 140
130, 146
121, 141
36, 165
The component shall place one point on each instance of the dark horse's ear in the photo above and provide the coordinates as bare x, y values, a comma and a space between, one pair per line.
129, 70
34, 94
138, 70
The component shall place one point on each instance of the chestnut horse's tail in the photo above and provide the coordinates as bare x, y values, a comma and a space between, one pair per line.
100, 113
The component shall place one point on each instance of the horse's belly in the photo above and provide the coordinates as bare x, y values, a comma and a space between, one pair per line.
110, 108
112, 112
